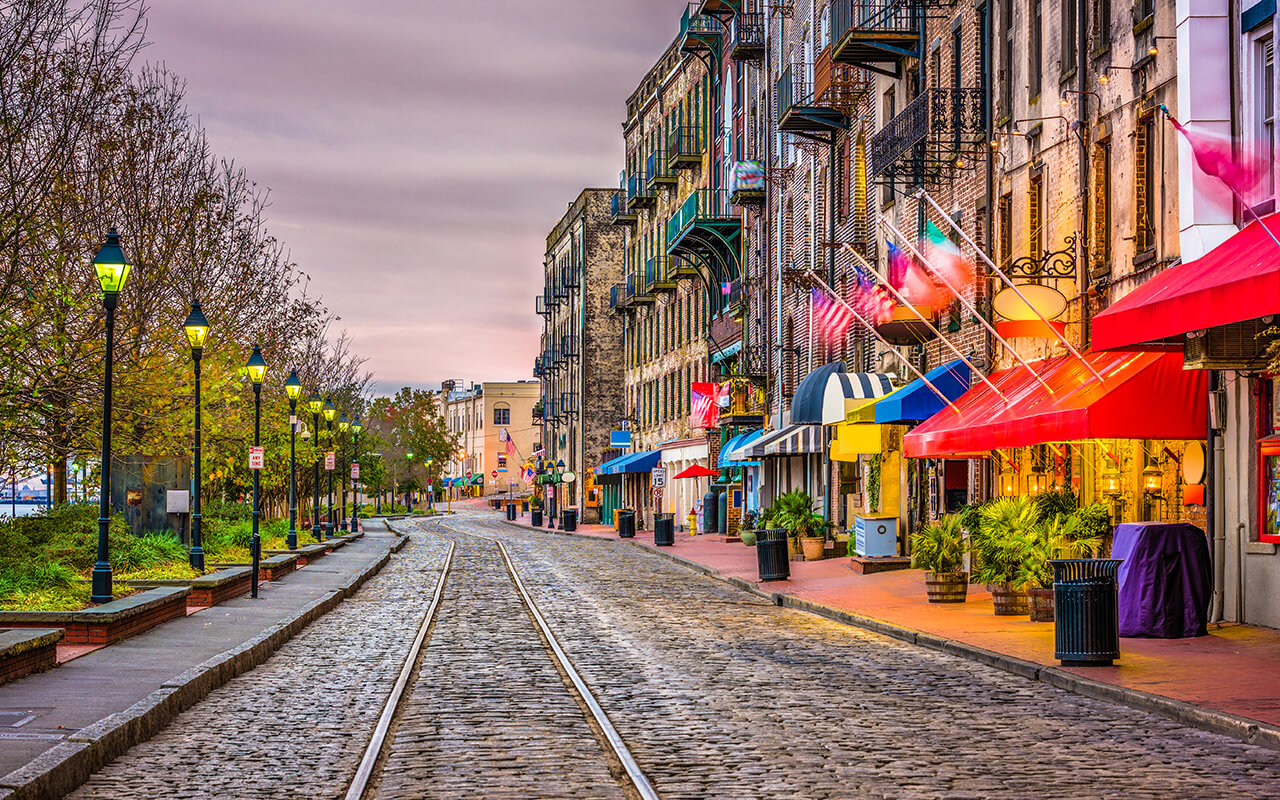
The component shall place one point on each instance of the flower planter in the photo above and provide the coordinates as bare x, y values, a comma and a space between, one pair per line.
1009, 602
1041, 604
748, 538
109, 622
946, 587
813, 547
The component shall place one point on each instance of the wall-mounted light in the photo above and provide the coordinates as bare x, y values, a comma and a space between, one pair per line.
1111, 481
1037, 481
1152, 480
1008, 484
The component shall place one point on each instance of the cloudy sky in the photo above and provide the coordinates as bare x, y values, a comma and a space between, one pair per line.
418, 151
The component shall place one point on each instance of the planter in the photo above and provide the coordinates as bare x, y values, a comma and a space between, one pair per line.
109, 622
748, 538
1009, 602
946, 587
1041, 604
813, 547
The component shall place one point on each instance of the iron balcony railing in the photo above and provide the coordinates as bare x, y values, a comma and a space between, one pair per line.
694, 23
685, 146
709, 204
746, 36
638, 193
794, 89
569, 402
537, 366
617, 296
541, 304
569, 345
550, 298
937, 123
657, 169
571, 276
869, 16
618, 212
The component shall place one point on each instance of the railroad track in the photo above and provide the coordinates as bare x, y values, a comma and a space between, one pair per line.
632, 780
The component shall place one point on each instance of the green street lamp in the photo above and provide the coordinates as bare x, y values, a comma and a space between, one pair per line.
330, 411
431, 485
356, 427
112, 270
408, 457
197, 330
293, 388
257, 368
343, 427
315, 404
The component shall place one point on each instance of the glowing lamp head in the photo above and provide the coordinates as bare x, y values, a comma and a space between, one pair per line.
196, 326
315, 403
1152, 50
257, 366
357, 425
409, 455
293, 386
1111, 481
110, 265
330, 410
343, 424
1104, 78
1152, 480
1008, 485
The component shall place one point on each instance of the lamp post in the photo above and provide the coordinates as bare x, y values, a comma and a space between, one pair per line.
315, 404
343, 426
112, 270
355, 461
408, 509
197, 329
293, 388
330, 411
257, 368
431, 485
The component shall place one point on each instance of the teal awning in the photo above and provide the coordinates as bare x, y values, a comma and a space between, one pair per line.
738, 442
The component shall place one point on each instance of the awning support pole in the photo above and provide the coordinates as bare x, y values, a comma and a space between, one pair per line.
898, 295
922, 195
813, 276
965, 302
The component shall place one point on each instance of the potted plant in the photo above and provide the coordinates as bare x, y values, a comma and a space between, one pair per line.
1001, 543
794, 512
939, 549
747, 528
1062, 536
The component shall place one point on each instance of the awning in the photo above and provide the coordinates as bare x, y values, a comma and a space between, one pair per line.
793, 440
845, 391
916, 401
1236, 281
605, 468
727, 458
806, 404
1146, 395
643, 461
853, 440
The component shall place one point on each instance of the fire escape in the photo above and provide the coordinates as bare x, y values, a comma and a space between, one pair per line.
877, 34
933, 135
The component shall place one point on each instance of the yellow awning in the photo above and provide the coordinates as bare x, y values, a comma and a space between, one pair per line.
853, 440
859, 409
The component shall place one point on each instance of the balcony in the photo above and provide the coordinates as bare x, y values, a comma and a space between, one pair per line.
543, 309
747, 185
640, 294
685, 146
538, 372
929, 137
550, 300
569, 345
680, 268
746, 37
699, 33
639, 195
905, 328
707, 228
876, 34
568, 403
560, 291
557, 357
619, 214
620, 298
657, 275
719, 7
657, 169
571, 276
819, 100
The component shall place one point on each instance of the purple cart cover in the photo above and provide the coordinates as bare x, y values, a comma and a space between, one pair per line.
1165, 580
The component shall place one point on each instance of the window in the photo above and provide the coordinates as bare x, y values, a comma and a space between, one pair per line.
1102, 208
1144, 175
1268, 465
502, 461
502, 416
1006, 59
1035, 218
1264, 84
1005, 223
1070, 35
1035, 52
890, 105
1101, 24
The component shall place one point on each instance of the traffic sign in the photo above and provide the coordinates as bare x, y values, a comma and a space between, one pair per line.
330, 461
658, 477
470, 474
355, 471
494, 474
257, 457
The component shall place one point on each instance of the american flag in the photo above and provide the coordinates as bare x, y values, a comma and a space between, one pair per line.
704, 411
830, 315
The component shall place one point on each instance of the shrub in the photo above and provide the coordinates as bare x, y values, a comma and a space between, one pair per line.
794, 511
940, 546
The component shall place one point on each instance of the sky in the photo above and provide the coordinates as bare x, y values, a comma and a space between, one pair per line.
417, 152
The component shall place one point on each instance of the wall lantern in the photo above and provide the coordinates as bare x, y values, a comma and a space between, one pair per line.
1111, 482
1152, 480
1037, 481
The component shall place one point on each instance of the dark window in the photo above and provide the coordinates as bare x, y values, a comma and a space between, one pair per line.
1035, 217
1102, 208
1006, 59
1144, 184
1006, 230
502, 416
1070, 35
1101, 24
1035, 52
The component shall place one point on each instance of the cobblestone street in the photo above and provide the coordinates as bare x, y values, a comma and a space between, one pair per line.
717, 694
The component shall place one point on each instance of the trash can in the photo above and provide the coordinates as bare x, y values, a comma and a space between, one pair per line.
535, 518
511, 511
524, 507
569, 519
664, 530
771, 555
1086, 616
626, 524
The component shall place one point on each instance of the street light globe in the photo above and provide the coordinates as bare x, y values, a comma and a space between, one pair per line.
356, 425
257, 366
110, 265
293, 386
330, 410
569, 477
560, 465
315, 403
409, 455
196, 326
343, 424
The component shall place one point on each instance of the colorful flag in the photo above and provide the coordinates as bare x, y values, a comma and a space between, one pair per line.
511, 445
830, 316
704, 411
1214, 154
726, 288
947, 260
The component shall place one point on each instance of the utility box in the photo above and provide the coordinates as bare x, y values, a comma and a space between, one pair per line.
140, 487
875, 536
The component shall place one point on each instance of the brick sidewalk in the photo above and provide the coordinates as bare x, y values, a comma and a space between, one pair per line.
1234, 670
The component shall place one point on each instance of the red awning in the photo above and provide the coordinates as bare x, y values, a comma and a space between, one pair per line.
1236, 281
1146, 395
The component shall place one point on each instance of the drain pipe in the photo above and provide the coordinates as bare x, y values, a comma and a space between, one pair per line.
1216, 531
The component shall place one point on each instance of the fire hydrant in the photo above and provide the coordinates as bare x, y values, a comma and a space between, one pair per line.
692, 519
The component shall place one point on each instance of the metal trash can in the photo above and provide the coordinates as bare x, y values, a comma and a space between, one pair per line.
524, 507
535, 518
664, 530
626, 524
569, 519
771, 555
1086, 612
511, 511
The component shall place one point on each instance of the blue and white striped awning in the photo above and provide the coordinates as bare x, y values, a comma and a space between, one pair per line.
847, 390
792, 440
728, 453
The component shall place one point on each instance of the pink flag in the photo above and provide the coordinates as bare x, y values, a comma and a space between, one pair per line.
1214, 155
511, 446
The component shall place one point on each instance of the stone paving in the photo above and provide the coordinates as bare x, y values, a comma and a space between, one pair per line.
717, 693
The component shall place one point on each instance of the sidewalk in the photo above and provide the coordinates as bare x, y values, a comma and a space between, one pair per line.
104, 701
1228, 681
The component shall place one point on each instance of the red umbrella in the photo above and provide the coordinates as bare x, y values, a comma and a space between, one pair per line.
698, 471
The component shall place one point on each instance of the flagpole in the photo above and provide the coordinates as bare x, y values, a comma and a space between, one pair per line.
813, 276
963, 301
921, 194
898, 295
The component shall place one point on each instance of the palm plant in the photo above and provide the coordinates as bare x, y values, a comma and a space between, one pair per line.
940, 546
1063, 536
794, 511
1003, 538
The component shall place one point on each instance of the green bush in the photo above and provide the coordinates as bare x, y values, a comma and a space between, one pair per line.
794, 512
225, 510
940, 546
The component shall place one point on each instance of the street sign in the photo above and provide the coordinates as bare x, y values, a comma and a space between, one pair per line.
431, 487
257, 457
470, 474
330, 461
619, 439
658, 477
494, 474
355, 471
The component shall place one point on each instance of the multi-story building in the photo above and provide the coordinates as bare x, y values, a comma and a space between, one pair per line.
581, 362
497, 433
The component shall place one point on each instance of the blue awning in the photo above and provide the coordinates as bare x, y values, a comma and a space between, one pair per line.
607, 467
642, 461
741, 440
806, 405
916, 401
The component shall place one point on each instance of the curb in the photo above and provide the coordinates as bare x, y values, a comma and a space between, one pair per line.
61, 769
1246, 730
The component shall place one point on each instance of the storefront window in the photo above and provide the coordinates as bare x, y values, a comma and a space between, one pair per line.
1268, 462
